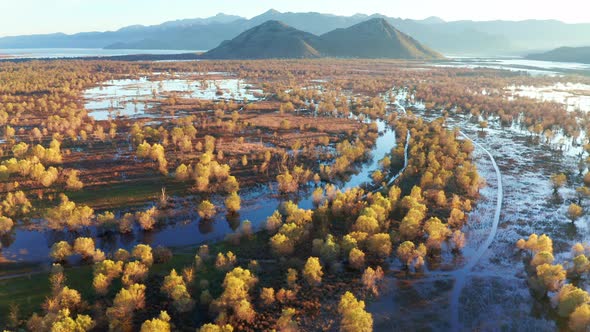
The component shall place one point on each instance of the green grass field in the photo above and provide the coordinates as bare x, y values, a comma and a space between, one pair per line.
28, 292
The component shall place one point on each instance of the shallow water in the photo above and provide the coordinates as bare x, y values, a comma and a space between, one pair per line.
42, 53
495, 295
257, 203
574, 96
533, 67
134, 97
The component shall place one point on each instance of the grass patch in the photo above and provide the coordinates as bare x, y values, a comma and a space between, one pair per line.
125, 194
29, 292
12, 268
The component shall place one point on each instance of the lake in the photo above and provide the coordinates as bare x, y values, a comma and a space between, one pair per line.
42, 53
533, 67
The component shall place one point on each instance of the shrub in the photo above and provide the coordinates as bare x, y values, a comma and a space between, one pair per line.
162, 254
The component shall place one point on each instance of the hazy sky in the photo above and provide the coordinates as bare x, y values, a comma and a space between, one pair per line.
70, 16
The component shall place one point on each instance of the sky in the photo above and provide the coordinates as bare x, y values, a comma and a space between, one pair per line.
20, 17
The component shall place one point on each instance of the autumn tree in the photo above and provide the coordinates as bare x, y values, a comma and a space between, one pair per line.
235, 298
206, 209
160, 324
84, 246
64, 322
232, 202
312, 272
579, 320
143, 252
73, 182
60, 251
569, 298
558, 181
574, 212
216, 328
550, 276
6, 225
69, 214
356, 258
354, 318
410, 255
285, 322
371, 277
147, 219
126, 302
175, 287
380, 245
267, 296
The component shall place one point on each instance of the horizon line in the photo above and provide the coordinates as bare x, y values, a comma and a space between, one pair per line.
286, 12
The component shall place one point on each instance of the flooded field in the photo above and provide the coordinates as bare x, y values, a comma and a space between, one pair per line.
456, 175
533, 67
573, 96
494, 292
132, 97
140, 98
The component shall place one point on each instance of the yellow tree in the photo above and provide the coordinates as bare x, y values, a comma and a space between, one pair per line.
312, 272
354, 318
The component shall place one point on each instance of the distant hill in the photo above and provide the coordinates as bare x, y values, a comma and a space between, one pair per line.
272, 39
459, 37
219, 18
564, 54
375, 38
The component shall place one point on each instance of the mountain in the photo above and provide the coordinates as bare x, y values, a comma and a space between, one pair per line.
219, 18
180, 37
564, 54
432, 20
272, 39
375, 38
459, 37
431, 31
315, 23
530, 35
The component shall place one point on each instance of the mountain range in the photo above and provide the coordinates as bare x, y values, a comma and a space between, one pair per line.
458, 37
374, 38
564, 54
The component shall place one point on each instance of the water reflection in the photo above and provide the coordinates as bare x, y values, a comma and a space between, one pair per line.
574, 96
134, 97
257, 204
532, 67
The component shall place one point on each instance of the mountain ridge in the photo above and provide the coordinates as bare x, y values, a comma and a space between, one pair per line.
374, 38
455, 37
271, 39
564, 54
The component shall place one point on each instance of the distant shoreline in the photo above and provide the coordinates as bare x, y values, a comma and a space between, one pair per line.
130, 57
564, 54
